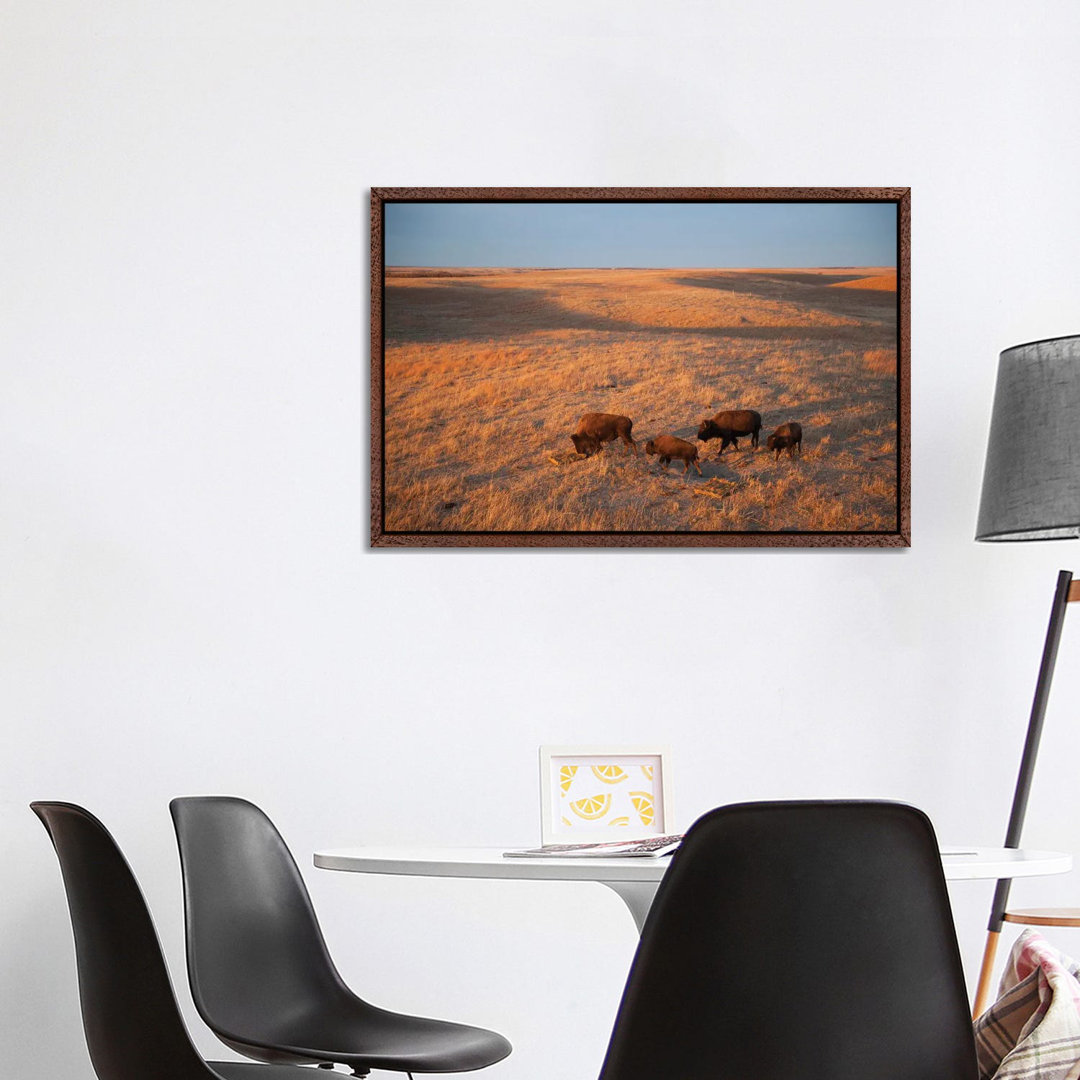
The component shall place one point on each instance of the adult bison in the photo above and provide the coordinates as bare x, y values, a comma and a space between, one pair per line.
786, 437
668, 447
596, 428
728, 425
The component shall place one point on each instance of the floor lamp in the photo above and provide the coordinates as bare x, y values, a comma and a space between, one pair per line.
1031, 491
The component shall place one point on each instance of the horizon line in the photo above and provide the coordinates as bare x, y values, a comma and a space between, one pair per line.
684, 266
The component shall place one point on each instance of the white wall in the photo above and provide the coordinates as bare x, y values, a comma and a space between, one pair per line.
187, 601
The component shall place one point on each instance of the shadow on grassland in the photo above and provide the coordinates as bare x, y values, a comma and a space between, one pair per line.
463, 310
805, 290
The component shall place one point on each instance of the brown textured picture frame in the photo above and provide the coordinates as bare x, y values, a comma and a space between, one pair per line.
427, 515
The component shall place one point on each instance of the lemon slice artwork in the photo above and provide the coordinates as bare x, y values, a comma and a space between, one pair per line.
566, 777
643, 804
647, 771
609, 774
624, 820
592, 808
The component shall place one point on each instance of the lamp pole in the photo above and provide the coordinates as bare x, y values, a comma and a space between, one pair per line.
1062, 595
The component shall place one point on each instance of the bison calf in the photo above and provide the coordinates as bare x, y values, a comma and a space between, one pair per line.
596, 428
668, 447
786, 437
727, 426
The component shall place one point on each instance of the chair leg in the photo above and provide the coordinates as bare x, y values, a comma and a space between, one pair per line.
983, 990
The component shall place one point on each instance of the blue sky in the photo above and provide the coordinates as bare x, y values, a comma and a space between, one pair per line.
640, 234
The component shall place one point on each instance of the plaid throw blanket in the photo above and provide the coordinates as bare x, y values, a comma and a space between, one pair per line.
1032, 1031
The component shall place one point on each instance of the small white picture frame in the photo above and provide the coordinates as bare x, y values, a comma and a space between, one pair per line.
596, 793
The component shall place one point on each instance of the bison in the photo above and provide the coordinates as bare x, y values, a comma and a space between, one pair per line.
727, 426
596, 428
586, 444
786, 437
668, 447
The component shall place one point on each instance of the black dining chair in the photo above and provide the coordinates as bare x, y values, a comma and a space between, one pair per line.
133, 1026
798, 941
259, 969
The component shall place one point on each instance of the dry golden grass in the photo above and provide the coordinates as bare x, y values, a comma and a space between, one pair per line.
487, 373
877, 282
881, 361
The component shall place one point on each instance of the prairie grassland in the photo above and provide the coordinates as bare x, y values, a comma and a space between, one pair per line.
487, 373
885, 282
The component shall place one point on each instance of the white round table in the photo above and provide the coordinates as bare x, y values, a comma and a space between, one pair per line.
636, 879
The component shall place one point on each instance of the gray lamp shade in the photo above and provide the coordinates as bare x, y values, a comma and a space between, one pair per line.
1031, 485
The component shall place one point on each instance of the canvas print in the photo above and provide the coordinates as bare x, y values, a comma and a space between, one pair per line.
666, 367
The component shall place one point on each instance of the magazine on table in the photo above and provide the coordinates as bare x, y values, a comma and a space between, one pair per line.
649, 847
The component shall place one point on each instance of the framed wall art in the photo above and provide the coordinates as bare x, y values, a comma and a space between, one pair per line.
596, 793
625, 367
